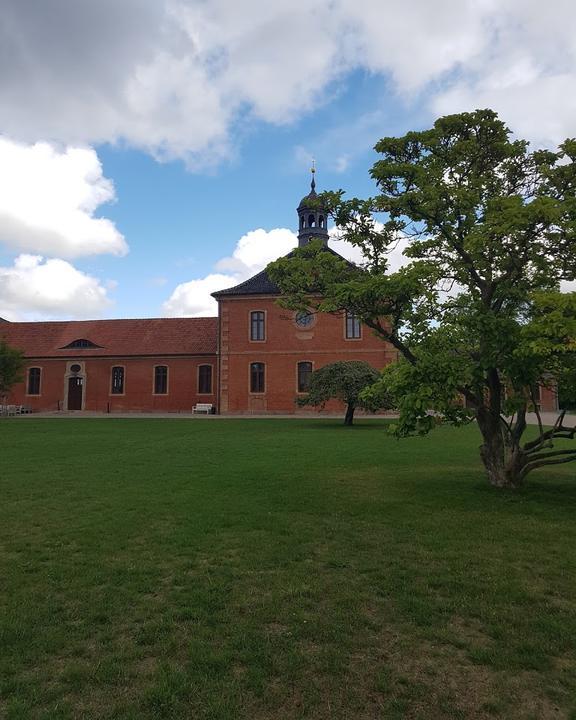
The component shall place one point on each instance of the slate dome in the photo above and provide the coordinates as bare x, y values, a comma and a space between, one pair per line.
311, 217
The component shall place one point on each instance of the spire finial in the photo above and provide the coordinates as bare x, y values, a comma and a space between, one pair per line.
313, 171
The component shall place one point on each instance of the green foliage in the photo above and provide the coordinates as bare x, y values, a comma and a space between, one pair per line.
341, 381
344, 381
489, 229
567, 391
11, 367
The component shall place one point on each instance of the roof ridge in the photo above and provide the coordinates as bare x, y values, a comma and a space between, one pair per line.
268, 287
242, 284
109, 320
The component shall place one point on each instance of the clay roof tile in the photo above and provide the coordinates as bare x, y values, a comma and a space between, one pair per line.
150, 336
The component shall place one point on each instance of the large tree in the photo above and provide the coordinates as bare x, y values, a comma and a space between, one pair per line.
343, 381
11, 368
476, 314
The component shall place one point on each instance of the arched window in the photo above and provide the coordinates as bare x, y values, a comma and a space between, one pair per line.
161, 380
304, 375
117, 384
257, 378
302, 222
34, 375
205, 379
257, 325
321, 221
311, 221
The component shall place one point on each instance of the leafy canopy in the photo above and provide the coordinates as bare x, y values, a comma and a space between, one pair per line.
343, 381
11, 367
489, 229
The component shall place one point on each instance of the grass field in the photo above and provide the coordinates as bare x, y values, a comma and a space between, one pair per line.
259, 569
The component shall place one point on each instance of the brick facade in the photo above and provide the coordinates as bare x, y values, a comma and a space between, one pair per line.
285, 344
74, 377
76, 359
96, 383
226, 346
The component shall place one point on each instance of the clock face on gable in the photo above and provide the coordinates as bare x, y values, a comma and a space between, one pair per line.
305, 319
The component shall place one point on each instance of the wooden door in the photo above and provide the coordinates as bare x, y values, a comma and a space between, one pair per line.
256, 404
75, 393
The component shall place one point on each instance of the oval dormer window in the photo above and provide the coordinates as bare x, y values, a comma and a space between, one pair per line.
80, 343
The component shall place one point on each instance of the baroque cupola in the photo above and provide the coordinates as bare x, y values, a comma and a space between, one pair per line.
312, 220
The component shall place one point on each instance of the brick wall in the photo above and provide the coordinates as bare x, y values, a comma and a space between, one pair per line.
284, 346
548, 398
138, 393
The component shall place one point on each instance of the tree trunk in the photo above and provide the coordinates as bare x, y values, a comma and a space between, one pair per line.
349, 418
502, 456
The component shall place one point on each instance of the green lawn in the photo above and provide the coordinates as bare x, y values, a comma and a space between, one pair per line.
278, 569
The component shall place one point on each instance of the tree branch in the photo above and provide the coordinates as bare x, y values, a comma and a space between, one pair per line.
520, 425
536, 409
556, 453
542, 463
558, 431
392, 339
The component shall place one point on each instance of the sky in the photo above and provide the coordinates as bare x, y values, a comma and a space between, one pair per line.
154, 151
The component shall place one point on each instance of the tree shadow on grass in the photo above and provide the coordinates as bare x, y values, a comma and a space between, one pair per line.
324, 424
554, 493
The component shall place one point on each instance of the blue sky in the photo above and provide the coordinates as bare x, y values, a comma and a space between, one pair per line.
152, 151
196, 218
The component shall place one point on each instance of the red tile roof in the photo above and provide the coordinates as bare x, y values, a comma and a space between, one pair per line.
158, 336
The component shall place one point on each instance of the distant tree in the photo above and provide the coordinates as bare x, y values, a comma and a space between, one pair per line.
342, 381
476, 314
11, 368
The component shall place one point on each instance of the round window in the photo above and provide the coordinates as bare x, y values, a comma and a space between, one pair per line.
75, 367
304, 319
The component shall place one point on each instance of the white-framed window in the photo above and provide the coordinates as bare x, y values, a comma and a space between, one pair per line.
205, 379
304, 373
34, 381
353, 326
258, 325
161, 380
257, 377
117, 380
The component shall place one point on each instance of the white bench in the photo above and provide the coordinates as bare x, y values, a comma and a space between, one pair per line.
14, 410
207, 408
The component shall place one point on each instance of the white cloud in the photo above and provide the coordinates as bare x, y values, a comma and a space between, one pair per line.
193, 299
35, 289
251, 255
396, 257
256, 249
526, 71
174, 76
48, 198
341, 163
443, 35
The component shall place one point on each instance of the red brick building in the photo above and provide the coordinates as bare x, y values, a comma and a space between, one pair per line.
160, 365
254, 358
